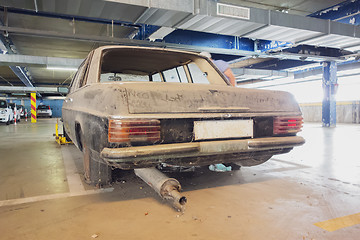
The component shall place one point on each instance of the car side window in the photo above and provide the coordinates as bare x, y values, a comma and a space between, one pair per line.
85, 72
74, 82
197, 75
79, 79
175, 75
156, 77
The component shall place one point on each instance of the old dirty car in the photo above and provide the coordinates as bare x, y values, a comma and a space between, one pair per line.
137, 107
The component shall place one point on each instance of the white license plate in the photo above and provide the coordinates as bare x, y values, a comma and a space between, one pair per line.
223, 129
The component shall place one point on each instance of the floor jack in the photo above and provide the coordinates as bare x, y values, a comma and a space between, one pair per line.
60, 138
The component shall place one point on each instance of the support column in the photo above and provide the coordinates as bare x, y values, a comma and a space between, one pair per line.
329, 84
33, 107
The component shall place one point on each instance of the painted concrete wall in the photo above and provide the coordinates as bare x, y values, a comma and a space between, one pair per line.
346, 112
55, 104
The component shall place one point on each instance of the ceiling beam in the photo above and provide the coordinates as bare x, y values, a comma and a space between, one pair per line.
14, 89
193, 46
38, 61
345, 68
245, 74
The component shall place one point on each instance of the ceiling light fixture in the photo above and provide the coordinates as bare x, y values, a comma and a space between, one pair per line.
58, 68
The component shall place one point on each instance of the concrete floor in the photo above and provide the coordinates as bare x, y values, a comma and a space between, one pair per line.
42, 194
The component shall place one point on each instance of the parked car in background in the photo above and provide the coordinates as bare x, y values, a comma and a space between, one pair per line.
16, 111
21, 109
44, 111
138, 107
6, 113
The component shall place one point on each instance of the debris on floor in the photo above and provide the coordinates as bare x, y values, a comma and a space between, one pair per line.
219, 168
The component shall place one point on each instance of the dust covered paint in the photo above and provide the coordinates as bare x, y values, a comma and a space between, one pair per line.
135, 107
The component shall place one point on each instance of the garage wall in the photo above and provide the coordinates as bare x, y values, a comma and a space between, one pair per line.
55, 104
346, 112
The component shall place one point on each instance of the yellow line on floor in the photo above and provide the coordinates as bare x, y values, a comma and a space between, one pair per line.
339, 223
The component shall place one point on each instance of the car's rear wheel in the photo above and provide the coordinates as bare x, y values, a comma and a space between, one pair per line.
96, 172
256, 160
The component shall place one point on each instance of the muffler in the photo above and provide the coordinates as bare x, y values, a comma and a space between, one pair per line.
167, 188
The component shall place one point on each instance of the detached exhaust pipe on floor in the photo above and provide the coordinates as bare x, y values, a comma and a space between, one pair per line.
167, 188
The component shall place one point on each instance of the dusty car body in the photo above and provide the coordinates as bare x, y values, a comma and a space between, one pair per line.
138, 107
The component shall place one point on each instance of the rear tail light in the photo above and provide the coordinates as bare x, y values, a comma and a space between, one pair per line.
137, 130
287, 125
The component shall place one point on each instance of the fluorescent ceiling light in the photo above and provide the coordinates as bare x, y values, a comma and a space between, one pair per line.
58, 68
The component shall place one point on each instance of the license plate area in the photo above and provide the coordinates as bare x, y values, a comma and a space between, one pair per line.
222, 129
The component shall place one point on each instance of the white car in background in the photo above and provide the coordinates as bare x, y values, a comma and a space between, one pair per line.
44, 111
16, 111
6, 113
22, 111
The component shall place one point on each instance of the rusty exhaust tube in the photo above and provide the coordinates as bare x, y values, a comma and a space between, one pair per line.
167, 188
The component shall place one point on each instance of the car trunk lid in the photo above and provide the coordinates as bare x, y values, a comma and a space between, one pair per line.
200, 98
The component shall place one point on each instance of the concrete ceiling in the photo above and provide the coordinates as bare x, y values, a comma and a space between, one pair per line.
297, 7
45, 28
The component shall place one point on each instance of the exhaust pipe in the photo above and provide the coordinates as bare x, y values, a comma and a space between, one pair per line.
167, 188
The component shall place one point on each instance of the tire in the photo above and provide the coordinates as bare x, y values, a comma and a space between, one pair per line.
256, 160
8, 121
95, 172
66, 135
233, 166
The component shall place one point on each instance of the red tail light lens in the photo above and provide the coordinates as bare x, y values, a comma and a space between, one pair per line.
287, 125
138, 130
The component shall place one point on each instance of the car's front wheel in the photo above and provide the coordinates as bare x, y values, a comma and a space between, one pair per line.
8, 121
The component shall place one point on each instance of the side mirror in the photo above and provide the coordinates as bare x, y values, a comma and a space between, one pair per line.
63, 90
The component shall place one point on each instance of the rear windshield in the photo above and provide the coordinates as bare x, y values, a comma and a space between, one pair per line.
147, 65
43, 107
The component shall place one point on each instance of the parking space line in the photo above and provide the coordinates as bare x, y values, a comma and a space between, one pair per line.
339, 223
18, 201
73, 178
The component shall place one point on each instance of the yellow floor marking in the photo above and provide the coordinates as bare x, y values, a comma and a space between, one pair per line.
338, 223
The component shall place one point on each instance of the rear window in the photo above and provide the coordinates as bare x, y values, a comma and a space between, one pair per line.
176, 74
137, 65
43, 107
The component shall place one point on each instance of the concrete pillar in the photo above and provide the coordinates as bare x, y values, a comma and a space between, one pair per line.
33, 107
329, 84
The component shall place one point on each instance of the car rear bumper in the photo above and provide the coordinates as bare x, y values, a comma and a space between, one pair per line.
198, 153
43, 114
